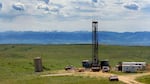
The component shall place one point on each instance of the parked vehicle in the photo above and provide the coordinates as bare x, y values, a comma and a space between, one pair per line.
69, 67
105, 69
113, 78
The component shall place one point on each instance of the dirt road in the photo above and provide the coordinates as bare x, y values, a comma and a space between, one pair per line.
130, 79
127, 79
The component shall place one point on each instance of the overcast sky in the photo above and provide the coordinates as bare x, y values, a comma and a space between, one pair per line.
74, 15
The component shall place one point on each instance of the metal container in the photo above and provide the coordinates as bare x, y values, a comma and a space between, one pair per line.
38, 64
86, 64
104, 63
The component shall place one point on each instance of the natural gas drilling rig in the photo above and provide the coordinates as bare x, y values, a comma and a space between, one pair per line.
95, 65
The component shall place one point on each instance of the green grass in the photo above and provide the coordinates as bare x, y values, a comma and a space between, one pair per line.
144, 79
16, 61
64, 80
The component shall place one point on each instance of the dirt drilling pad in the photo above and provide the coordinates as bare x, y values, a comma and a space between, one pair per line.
127, 79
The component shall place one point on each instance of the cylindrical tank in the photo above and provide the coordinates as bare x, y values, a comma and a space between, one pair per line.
86, 63
38, 64
104, 63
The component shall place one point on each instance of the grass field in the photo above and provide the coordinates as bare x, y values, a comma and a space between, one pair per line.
144, 79
16, 61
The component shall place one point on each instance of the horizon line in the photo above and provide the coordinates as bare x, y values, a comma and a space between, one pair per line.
76, 31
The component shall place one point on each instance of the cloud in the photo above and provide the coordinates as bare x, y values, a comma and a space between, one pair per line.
95, 1
131, 6
81, 3
47, 14
43, 6
119, 3
146, 9
51, 9
54, 8
0, 5
46, 1
18, 6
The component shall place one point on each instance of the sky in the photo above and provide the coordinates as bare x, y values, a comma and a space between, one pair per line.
74, 15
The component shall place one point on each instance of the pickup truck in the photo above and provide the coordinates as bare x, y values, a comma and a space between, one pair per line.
105, 69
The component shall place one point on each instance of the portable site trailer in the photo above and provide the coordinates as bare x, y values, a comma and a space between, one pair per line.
133, 66
134, 63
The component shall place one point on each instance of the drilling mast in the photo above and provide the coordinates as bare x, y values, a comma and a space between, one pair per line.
95, 61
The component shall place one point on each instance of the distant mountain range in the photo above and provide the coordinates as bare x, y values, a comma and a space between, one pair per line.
110, 38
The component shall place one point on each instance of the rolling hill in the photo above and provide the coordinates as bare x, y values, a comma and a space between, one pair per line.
80, 37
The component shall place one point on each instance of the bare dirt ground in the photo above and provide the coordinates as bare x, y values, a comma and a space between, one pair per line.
127, 79
130, 79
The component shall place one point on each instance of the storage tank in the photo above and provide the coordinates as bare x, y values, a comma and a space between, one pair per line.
38, 64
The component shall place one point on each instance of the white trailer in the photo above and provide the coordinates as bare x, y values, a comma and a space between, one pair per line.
133, 66
134, 63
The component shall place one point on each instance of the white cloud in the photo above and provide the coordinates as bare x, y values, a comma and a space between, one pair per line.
46, 1
74, 15
132, 6
125, 25
95, 1
0, 5
18, 6
43, 6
